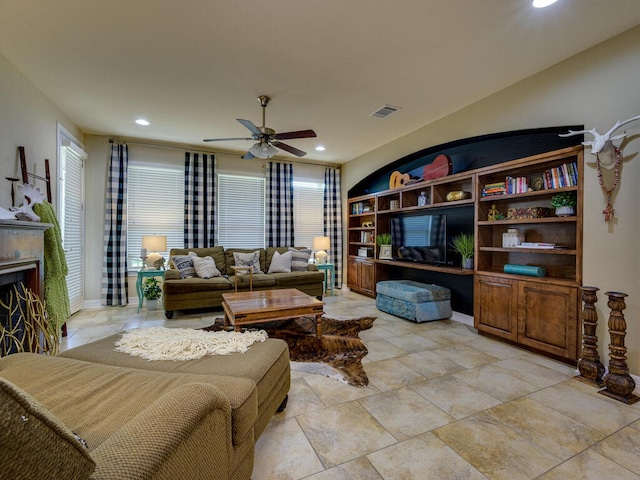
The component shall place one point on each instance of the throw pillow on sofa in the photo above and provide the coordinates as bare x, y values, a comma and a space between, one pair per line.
184, 264
205, 267
35, 443
281, 263
247, 260
300, 260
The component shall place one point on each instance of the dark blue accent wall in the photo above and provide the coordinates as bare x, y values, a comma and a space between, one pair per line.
473, 152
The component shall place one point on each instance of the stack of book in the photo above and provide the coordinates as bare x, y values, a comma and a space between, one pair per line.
490, 189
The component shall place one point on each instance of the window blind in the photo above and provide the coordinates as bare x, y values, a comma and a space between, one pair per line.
240, 211
155, 206
308, 212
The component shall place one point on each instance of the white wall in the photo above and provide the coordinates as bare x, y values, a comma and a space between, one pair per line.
595, 88
28, 119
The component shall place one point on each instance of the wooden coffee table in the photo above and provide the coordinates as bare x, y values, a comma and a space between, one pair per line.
244, 308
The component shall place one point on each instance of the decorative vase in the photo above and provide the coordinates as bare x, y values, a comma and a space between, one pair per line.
152, 304
565, 211
467, 263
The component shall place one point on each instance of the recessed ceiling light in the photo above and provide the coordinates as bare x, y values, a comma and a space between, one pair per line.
142, 121
543, 3
320, 148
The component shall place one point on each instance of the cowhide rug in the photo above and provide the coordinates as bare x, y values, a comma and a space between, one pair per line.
337, 355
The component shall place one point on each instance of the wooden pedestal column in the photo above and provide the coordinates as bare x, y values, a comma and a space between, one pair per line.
590, 367
618, 383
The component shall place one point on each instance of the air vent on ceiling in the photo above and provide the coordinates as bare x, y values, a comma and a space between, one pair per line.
384, 111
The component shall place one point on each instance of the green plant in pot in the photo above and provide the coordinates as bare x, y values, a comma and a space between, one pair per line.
151, 291
463, 244
564, 203
383, 240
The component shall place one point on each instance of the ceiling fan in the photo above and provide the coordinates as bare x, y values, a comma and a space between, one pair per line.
266, 138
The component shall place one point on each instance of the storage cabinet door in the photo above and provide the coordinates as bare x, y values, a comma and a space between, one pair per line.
368, 278
352, 274
548, 318
495, 306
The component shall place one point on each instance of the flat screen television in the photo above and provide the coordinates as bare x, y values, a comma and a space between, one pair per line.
420, 238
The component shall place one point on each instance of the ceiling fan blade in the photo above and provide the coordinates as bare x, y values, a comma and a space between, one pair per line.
225, 139
248, 156
249, 124
298, 134
290, 149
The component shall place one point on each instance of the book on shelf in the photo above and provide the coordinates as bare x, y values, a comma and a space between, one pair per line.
517, 185
497, 188
366, 237
543, 245
565, 175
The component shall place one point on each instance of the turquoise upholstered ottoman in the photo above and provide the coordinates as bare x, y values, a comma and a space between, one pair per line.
413, 300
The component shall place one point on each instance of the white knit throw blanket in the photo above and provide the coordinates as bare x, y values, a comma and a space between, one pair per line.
160, 343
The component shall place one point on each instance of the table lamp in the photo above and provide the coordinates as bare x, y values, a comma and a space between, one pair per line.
320, 244
154, 244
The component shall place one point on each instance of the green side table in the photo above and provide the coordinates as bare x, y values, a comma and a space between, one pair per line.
145, 273
329, 270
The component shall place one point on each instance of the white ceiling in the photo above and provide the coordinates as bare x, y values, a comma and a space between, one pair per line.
191, 67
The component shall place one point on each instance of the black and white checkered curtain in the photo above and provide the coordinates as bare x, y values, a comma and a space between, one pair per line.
279, 204
333, 218
199, 200
114, 263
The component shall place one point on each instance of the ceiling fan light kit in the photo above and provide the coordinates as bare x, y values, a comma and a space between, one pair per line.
267, 137
263, 151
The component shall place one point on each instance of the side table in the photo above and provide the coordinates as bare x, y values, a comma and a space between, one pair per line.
329, 270
151, 272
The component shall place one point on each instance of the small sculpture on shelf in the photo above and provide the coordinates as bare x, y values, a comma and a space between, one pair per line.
494, 214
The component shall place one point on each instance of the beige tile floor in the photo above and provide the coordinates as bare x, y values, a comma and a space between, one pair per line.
442, 403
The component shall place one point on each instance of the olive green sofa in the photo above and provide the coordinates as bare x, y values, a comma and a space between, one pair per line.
195, 293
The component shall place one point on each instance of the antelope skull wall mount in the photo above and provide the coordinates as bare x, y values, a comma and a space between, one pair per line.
608, 156
602, 145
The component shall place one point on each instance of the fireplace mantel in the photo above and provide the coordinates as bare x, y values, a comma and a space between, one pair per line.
21, 246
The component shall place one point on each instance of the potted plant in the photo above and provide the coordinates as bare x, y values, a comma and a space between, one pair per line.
463, 245
564, 203
151, 291
383, 240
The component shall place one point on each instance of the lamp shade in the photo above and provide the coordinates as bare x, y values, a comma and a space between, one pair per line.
263, 151
155, 243
321, 243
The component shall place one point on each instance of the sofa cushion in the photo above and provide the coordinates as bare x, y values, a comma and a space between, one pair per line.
105, 397
280, 263
294, 279
217, 253
229, 260
205, 267
184, 264
241, 259
196, 284
259, 281
300, 259
35, 443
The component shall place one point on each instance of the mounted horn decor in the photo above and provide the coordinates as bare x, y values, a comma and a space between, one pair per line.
608, 156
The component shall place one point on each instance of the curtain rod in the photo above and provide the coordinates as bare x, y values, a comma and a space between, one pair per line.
183, 147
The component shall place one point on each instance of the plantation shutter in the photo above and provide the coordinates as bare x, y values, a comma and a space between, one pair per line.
72, 220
